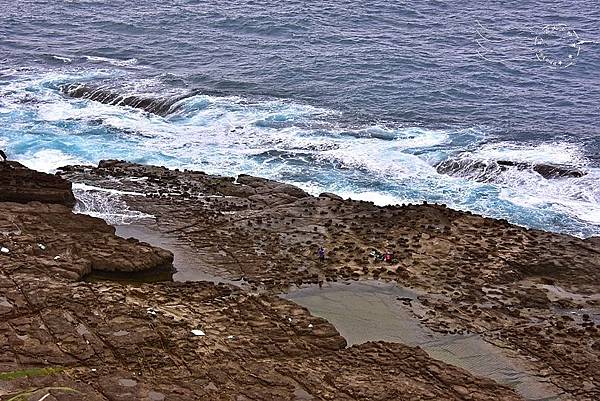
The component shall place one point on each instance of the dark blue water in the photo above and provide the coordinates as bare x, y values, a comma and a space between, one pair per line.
363, 99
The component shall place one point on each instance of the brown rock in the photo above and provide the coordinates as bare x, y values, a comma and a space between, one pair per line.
22, 185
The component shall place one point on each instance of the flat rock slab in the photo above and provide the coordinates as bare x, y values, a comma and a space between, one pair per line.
118, 342
50, 237
528, 290
64, 339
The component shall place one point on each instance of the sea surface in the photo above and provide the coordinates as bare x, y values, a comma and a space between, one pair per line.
361, 98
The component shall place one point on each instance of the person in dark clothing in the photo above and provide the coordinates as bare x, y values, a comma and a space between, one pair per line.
321, 254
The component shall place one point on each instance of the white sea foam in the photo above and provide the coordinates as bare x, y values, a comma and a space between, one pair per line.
48, 160
63, 59
585, 211
300, 144
84, 187
107, 205
112, 61
577, 197
554, 152
377, 198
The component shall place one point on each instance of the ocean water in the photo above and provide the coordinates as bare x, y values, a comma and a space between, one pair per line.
364, 99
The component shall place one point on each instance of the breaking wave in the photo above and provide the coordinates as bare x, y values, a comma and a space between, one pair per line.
107, 205
112, 61
315, 148
155, 105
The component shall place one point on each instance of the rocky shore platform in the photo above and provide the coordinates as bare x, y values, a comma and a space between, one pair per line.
530, 292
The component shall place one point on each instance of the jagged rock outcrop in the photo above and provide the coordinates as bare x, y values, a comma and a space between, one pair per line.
488, 170
160, 106
22, 185
52, 237
38, 228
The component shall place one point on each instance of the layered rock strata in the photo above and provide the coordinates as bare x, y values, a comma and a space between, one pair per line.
65, 339
530, 291
22, 185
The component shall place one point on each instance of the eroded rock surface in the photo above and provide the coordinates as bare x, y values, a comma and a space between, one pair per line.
43, 229
531, 291
199, 341
159, 106
64, 339
51, 237
489, 170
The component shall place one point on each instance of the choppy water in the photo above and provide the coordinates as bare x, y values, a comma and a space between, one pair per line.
359, 98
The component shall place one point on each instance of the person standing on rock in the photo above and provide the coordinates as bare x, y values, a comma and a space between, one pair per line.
3, 156
321, 254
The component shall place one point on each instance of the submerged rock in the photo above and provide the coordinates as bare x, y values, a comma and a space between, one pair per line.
159, 106
488, 170
557, 171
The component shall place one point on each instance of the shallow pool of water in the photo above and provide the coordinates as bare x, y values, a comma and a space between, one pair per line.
188, 267
373, 311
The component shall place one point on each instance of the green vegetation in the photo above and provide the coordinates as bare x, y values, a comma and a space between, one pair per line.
33, 372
